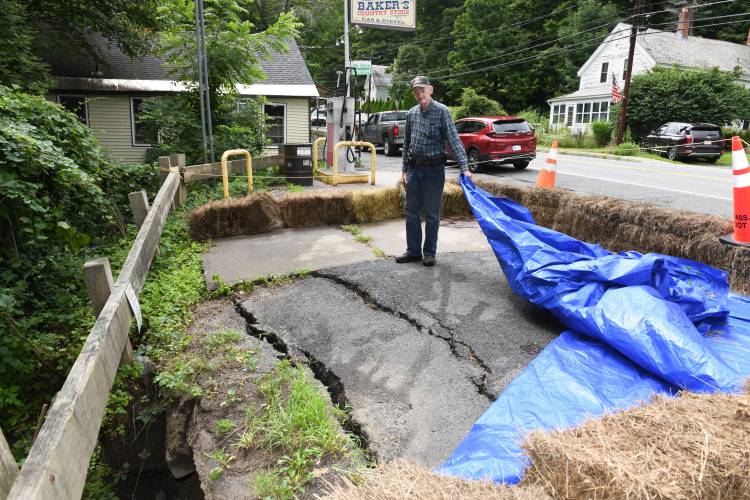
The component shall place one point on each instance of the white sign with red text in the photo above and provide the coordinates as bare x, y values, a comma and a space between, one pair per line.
384, 14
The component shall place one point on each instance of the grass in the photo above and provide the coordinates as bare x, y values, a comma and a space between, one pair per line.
298, 422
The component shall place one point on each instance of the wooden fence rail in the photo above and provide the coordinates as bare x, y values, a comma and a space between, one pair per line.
58, 461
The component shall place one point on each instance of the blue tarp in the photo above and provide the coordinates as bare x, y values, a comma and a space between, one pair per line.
639, 325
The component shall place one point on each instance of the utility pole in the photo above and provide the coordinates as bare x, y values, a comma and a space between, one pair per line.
199, 47
626, 89
347, 63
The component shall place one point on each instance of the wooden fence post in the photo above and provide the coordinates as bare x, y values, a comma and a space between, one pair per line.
8, 467
139, 207
178, 160
164, 164
98, 278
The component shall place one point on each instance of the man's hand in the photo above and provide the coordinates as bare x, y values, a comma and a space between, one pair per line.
403, 177
467, 173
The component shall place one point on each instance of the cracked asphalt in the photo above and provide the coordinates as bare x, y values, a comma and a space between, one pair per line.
418, 353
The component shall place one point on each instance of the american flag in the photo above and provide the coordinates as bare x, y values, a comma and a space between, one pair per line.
616, 95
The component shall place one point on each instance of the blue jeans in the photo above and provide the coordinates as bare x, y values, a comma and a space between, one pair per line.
424, 192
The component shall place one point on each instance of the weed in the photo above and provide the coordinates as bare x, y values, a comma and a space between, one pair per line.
217, 342
250, 360
379, 253
181, 377
352, 229
224, 459
294, 188
363, 238
231, 398
224, 426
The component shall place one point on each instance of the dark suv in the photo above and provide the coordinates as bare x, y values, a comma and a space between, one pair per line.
682, 141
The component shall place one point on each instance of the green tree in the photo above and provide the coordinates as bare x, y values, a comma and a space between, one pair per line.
234, 52
473, 104
672, 94
19, 63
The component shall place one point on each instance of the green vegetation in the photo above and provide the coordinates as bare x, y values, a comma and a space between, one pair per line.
602, 132
224, 459
224, 426
660, 96
473, 104
297, 421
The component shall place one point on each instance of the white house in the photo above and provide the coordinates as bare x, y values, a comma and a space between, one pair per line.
593, 99
378, 84
107, 98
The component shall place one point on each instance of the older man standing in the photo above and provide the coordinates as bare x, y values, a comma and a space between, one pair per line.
428, 128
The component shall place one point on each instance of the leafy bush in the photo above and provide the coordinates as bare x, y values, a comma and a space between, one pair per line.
673, 94
538, 120
567, 138
473, 104
627, 149
602, 133
61, 193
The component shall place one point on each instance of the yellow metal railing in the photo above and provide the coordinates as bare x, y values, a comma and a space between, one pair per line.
315, 151
350, 144
225, 173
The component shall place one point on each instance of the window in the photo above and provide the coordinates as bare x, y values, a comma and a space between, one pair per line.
276, 119
604, 111
394, 117
511, 126
139, 128
624, 69
461, 127
595, 112
587, 112
77, 105
603, 75
570, 116
477, 126
579, 112
558, 114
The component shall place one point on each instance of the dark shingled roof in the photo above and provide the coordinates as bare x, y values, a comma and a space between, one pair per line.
281, 69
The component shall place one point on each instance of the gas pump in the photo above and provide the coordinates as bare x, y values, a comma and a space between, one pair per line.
340, 127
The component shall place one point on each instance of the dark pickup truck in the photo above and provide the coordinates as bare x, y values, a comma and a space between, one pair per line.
385, 129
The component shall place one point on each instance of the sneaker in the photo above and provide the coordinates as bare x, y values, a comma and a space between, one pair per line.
429, 260
407, 257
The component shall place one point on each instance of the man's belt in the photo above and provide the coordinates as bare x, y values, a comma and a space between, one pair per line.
433, 161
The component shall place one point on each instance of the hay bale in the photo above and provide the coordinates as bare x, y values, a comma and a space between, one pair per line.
691, 446
316, 208
403, 479
454, 201
378, 205
255, 213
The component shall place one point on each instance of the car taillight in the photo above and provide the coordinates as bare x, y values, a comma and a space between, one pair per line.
395, 130
688, 139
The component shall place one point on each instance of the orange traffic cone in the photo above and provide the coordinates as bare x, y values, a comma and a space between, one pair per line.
546, 178
741, 176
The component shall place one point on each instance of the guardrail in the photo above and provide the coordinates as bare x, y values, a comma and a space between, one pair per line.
58, 461
342, 144
225, 173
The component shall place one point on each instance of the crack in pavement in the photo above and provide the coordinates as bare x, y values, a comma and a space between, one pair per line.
471, 356
322, 373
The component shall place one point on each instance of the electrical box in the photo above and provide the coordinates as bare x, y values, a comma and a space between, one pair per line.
340, 127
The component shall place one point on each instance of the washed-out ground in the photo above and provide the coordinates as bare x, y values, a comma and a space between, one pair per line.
416, 353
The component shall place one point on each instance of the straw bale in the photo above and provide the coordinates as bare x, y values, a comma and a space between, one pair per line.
691, 446
403, 479
378, 204
454, 201
255, 213
740, 274
317, 208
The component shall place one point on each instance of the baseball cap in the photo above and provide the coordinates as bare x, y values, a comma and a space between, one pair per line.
419, 81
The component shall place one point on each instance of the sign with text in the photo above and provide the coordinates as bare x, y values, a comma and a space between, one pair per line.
362, 68
384, 14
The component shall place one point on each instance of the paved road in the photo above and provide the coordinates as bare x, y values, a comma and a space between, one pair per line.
420, 353
694, 187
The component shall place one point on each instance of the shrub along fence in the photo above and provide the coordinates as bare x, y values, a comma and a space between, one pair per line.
57, 463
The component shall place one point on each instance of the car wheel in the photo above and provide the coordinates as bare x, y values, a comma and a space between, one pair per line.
712, 160
672, 154
520, 165
473, 156
389, 149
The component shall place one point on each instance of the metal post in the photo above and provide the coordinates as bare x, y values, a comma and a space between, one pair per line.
626, 89
199, 47
347, 63
97, 276
205, 76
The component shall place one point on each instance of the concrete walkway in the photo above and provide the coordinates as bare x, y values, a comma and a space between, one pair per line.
282, 251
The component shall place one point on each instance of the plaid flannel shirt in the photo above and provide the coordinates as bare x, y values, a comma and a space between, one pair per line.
427, 133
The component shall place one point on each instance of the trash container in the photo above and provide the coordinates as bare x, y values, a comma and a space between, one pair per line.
298, 167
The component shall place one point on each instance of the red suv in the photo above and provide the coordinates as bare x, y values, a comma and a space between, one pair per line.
497, 139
